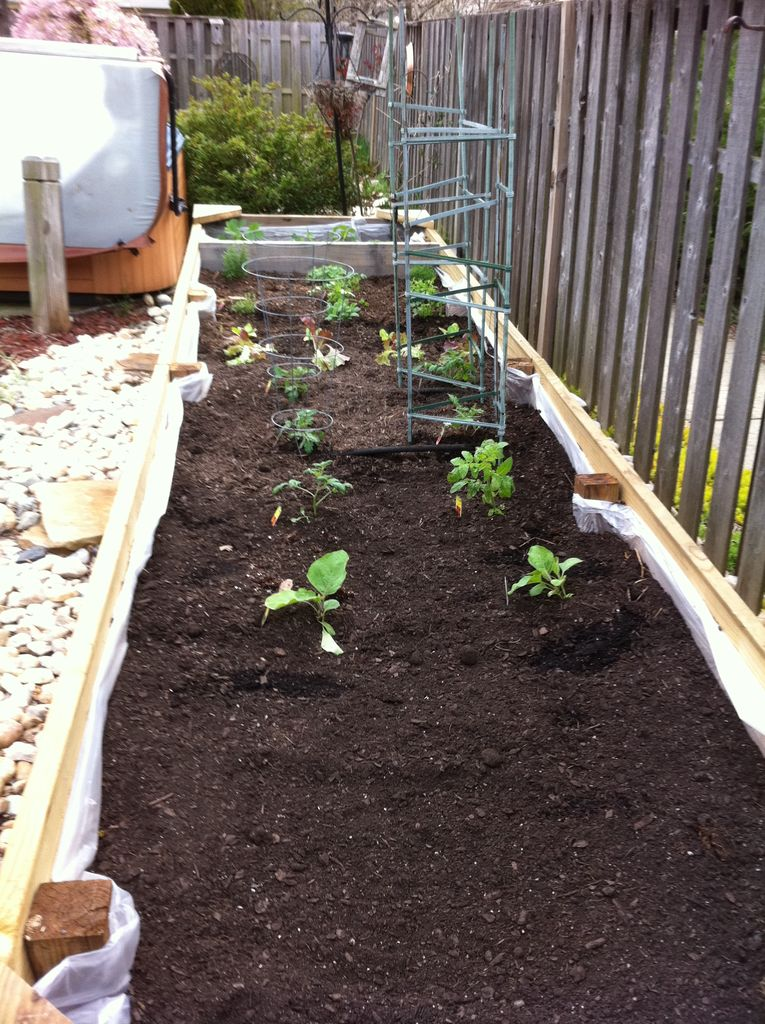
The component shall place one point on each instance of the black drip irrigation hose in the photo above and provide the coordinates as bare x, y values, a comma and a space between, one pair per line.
404, 449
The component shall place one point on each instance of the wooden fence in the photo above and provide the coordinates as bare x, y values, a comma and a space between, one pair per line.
290, 53
636, 174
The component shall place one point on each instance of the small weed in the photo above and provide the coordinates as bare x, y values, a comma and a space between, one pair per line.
321, 486
244, 306
484, 473
302, 431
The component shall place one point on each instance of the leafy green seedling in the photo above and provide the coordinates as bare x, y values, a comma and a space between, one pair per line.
485, 473
292, 381
238, 230
244, 306
462, 412
388, 339
301, 430
342, 307
549, 576
455, 363
326, 576
321, 487
343, 233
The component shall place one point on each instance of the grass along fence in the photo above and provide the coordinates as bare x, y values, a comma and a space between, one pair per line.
638, 221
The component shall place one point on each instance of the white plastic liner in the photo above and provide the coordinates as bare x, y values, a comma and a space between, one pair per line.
90, 988
366, 230
739, 682
98, 114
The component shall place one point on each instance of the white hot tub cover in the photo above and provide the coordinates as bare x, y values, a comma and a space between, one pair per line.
101, 112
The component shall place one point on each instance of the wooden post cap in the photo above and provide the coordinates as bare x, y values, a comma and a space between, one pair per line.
66, 918
40, 168
598, 486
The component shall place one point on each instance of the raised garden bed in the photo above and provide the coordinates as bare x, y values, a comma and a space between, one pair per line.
285, 237
539, 811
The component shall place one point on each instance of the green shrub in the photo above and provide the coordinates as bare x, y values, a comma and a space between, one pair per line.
239, 151
210, 8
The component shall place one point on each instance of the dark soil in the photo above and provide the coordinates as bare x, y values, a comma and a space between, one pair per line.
482, 811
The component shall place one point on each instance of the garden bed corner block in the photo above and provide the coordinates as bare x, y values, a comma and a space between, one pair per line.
744, 630
33, 846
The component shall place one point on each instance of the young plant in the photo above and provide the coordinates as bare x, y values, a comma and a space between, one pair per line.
301, 430
462, 412
238, 230
326, 576
388, 339
343, 233
455, 363
484, 473
549, 575
342, 307
245, 349
234, 259
424, 282
292, 381
244, 306
321, 486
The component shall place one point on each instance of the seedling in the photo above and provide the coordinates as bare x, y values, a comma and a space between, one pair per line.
333, 274
485, 473
549, 576
423, 281
244, 306
302, 431
455, 363
388, 339
292, 381
245, 349
461, 412
233, 263
238, 230
343, 233
319, 488
342, 307
326, 576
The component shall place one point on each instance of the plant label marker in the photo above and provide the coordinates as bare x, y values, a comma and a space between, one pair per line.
458, 506
275, 516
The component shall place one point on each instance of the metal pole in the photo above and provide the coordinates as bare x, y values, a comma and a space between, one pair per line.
328, 34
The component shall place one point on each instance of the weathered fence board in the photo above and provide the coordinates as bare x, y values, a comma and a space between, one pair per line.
695, 241
290, 53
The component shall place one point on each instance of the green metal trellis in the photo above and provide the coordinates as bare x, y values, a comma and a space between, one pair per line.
486, 291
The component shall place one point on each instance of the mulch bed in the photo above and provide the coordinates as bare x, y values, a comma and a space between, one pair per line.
19, 341
540, 812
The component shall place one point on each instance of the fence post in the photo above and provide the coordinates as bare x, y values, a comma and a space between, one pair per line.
46, 263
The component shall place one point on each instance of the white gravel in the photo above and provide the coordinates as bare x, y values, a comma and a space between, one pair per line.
40, 600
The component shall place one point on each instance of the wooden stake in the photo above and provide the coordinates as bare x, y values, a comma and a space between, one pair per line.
20, 1004
66, 918
46, 262
598, 486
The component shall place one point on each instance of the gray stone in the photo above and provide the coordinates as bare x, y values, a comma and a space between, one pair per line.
164, 300
32, 554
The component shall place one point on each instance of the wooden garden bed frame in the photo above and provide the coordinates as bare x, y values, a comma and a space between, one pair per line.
35, 837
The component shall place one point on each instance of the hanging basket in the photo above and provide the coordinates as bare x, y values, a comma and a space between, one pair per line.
346, 99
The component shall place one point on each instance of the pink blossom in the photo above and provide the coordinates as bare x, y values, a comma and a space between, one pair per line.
85, 21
